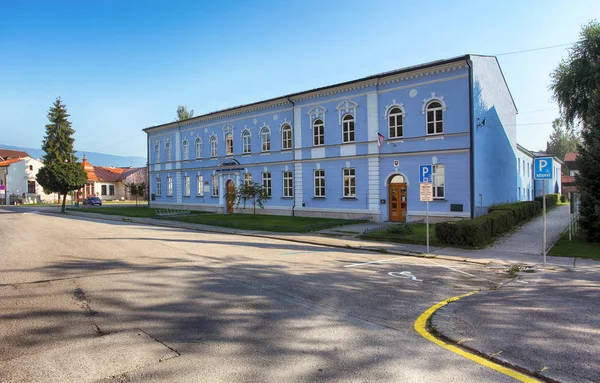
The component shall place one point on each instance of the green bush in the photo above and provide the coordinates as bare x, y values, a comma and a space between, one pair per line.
521, 211
563, 198
551, 200
501, 221
474, 232
399, 230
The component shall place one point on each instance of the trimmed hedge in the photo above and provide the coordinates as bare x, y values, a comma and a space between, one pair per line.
551, 200
521, 211
563, 198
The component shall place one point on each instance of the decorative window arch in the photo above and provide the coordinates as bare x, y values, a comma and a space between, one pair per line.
265, 139
434, 108
198, 147
346, 107
186, 150
214, 146
286, 137
347, 128
168, 149
246, 141
317, 112
318, 132
229, 144
156, 151
395, 116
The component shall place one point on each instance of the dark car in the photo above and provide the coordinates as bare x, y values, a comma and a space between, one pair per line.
92, 201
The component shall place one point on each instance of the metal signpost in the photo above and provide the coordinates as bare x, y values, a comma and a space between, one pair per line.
426, 193
543, 171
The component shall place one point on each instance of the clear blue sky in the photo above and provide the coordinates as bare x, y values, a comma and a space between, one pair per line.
121, 66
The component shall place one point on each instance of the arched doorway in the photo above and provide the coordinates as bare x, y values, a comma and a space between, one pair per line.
397, 193
230, 188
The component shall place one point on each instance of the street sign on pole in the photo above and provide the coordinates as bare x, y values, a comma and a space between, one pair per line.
426, 195
542, 168
425, 172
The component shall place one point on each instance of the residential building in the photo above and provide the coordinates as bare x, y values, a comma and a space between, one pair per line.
353, 150
109, 183
18, 182
6, 154
568, 181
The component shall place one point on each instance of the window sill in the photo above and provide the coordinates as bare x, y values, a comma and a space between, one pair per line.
214, 196
287, 197
318, 197
439, 199
348, 142
396, 140
286, 151
246, 155
265, 154
200, 196
434, 136
213, 158
348, 199
186, 196
170, 196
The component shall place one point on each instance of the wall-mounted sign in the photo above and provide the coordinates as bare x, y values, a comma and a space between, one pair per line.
396, 163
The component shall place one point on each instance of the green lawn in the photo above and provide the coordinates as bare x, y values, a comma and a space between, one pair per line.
578, 247
139, 212
418, 236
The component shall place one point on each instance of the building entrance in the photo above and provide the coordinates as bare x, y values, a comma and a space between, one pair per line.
398, 198
230, 188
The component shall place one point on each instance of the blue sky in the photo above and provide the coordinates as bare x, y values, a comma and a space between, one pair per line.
121, 66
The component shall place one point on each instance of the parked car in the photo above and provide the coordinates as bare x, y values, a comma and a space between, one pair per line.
92, 201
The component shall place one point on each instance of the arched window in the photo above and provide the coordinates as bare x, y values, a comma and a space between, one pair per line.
168, 149
228, 144
396, 120
198, 147
348, 128
318, 132
186, 150
246, 142
156, 151
265, 139
435, 119
214, 146
286, 137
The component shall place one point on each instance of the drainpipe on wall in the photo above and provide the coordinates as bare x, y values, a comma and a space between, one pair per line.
148, 168
293, 132
472, 137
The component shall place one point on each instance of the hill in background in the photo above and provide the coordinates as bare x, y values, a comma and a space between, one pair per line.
98, 159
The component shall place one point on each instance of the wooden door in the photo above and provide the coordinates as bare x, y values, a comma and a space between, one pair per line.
230, 198
398, 202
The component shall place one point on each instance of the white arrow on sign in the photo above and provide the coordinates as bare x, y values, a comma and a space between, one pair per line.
404, 274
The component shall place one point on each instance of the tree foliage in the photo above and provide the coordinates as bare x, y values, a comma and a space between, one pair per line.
253, 193
137, 190
61, 173
576, 87
183, 113
563, 140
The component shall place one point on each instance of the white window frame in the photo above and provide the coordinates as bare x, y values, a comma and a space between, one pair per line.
186, 150
348, 123
349, 182
435, 178
319, 183
248, 179
157, 151
200, 184
434, 110
265, 139
168, 149
214, 146
246, 142
318, 132
169, 186
229, 144
198, 147
158, 186
286, 137
187, 187
215, 186
393, 124
266, 182
288, 183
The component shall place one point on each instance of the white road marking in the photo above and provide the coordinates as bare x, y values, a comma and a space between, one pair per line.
404, 274
453, 269
368, 263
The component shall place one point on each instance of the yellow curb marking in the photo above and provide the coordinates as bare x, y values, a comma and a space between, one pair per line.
421, 328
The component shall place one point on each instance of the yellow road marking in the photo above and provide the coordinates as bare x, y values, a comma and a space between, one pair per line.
421, 328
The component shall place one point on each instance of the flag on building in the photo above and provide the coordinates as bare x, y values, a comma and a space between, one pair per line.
380, 139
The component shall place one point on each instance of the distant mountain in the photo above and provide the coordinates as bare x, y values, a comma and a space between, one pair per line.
98, 159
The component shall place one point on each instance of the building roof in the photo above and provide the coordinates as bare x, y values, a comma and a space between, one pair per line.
6, 154
571, 157
567, 179
8, 162
106, 174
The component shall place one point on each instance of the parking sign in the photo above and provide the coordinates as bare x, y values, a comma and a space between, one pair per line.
542, 168
425, 173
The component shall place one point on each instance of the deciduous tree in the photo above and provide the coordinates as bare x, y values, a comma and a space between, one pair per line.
183, 113
253, 193
563, 140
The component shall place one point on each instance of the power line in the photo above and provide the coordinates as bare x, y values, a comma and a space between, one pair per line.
534, 49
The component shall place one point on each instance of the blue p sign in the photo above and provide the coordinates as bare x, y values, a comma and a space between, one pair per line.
542, 168
425, 172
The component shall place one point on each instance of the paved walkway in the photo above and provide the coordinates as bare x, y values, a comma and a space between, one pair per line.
528, 239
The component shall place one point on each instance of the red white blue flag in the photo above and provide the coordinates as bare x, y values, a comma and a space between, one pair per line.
380, 138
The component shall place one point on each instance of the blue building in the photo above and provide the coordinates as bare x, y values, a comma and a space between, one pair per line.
352, 150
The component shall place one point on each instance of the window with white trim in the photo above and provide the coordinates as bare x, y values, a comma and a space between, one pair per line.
246, 142
168, 150
348, 129
186, 150
265, 139
214, 146
157, 151
266, 182
395, 121
200, 183
319, 180
248, 179
158, 186
228, 144
215, 185
318, 132
169, 186
435, 118
439, 187
187, 186
288, 184
286, 137
349, 182
198, 147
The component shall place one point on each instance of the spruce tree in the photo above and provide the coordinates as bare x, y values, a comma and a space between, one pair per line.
576, 87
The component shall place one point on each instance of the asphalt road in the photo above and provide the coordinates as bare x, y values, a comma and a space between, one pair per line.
89, 300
